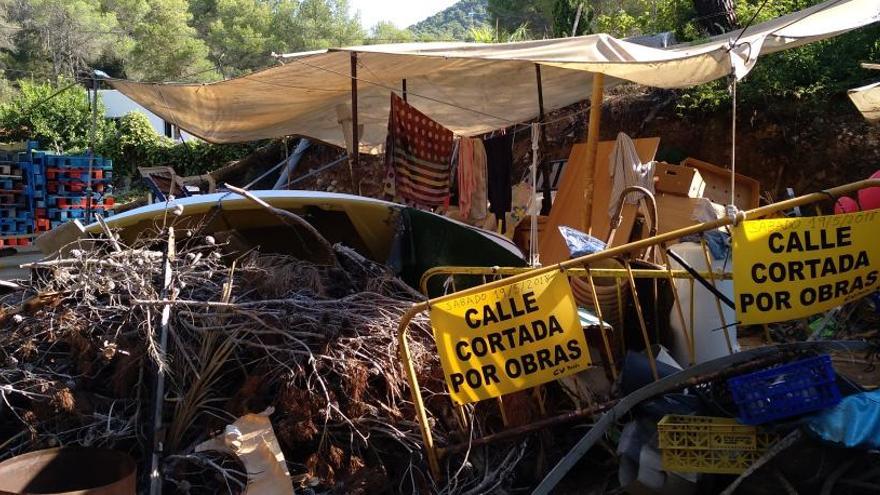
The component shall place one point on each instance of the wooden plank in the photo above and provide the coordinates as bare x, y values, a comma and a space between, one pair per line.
569, 208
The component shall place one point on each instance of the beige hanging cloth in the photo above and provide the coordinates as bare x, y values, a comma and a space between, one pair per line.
472, 195
626, 169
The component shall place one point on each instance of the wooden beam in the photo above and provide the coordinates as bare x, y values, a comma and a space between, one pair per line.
354, 161
592, 147
866, 65
545, 165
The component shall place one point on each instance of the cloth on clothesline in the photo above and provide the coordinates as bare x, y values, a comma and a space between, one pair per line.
472, 195
418, 155
499, 165
626, 169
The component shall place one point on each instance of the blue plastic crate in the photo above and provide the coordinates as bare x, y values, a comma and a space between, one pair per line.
784, 391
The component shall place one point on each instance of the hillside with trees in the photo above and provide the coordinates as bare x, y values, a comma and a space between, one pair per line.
158, 40
454, 22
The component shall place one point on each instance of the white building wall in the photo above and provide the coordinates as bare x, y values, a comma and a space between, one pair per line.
118, 105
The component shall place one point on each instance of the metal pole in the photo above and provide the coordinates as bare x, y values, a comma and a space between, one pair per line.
545, 165
92, 131
592, 148
354, 162
403, 85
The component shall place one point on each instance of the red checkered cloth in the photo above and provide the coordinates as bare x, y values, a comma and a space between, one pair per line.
418, 155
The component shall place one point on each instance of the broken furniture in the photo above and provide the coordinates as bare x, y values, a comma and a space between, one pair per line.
164, 181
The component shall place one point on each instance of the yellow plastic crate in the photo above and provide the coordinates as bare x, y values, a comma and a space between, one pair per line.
702, 444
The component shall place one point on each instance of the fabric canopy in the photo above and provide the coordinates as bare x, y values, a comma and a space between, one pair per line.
470, 88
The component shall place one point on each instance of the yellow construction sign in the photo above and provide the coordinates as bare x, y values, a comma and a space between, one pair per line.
791, 268
509, 338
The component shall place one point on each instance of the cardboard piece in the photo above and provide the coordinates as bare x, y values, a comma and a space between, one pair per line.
680, 180
748, 190
677, 212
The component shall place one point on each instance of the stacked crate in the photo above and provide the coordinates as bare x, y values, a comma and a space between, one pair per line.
67, 181
41, 190
16, 214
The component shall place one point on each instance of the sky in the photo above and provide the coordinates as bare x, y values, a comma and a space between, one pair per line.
402, 13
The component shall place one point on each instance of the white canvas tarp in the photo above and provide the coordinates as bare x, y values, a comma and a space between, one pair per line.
469, 88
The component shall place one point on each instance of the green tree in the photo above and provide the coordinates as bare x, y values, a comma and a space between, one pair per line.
565, 12
454, 22
241, 36
488, 34
316, 24
510, 14
387, 32
60, 120
164, 46
62, 37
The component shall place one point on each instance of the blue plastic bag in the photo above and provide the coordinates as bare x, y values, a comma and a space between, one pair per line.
854, 422
579, 243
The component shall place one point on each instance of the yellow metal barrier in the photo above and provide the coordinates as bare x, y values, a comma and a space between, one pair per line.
433, 454
496, 271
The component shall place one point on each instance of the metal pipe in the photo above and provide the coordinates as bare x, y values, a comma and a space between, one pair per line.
637, 304
518, 431
677, 303
724, 325
92, 132
617, 273
415, 391
602, 329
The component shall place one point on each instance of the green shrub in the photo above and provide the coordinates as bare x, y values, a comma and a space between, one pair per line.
135, 144
59, 119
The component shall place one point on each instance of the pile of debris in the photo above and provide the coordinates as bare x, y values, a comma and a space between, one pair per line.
84, 343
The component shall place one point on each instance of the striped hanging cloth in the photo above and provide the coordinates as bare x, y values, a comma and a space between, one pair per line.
418, 154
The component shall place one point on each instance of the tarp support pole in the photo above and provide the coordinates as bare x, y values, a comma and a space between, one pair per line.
354, 161
545, 165
592, 147
403, 87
